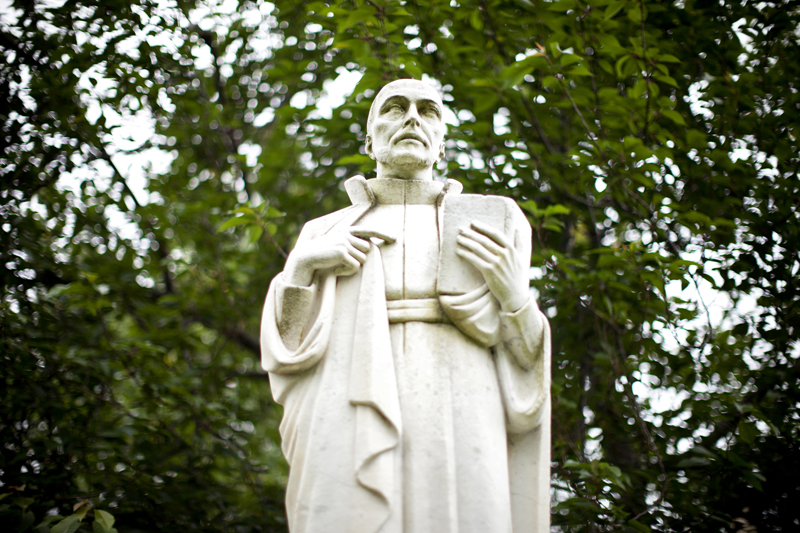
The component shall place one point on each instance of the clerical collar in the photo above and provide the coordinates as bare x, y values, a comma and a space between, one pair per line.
409, 192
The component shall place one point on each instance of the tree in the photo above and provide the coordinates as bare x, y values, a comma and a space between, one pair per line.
654, 146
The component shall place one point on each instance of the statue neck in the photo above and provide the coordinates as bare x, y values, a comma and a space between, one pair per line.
389, 191
404, 173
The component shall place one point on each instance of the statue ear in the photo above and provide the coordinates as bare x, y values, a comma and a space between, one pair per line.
368, 146
441, 151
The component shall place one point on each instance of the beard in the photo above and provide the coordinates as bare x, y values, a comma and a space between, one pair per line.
416, 158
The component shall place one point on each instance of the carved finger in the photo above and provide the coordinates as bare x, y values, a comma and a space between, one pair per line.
488, 243
368, 233
476, 261
360, 244
491, 232
476, 248
357, 254
349, 267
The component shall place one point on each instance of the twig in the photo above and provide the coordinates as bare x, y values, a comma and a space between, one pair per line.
646, 74
594, 85
507, 60
560, 78
639, 420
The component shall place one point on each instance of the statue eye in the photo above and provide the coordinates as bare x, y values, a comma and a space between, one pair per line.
431, 111
393, 108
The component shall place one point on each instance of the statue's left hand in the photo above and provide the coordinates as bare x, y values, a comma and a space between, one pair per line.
494, 256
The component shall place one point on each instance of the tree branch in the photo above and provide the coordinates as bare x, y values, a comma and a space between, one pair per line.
526, 104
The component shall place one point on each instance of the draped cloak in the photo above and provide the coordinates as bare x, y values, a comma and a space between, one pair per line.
406, 410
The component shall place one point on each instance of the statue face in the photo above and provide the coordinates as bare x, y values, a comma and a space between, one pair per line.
407, 130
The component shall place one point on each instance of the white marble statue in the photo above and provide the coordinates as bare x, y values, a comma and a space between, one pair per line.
402, 340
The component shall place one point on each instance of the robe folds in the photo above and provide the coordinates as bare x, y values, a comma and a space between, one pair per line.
407, 410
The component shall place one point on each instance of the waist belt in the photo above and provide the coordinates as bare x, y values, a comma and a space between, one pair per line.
416, 310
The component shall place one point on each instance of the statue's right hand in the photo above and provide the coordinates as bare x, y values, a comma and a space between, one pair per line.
342, 252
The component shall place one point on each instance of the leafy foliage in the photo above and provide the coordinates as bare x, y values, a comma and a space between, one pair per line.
654, 146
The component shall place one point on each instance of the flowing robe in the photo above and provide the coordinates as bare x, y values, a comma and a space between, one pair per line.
406, 410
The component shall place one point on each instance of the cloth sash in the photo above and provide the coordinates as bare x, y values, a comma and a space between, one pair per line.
416, 310
373, 390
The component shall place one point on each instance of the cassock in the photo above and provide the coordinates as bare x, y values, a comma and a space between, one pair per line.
408, 410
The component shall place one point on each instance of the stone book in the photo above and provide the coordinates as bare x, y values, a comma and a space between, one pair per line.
457, 275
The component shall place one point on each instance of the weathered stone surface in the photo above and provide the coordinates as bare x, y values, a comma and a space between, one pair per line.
402, 340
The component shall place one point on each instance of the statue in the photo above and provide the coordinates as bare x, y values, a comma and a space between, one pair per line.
412, 363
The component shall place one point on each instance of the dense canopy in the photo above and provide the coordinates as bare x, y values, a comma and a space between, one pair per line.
158, 159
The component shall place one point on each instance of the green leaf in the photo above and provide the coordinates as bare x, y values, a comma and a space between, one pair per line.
555, 209
512, 76
668, 58
690, 462
69, 524
613, 8
81, 512
754, 479
23, 503
413, 69
255, 233
696, 139
550, 81
483, 104
476, 20
674, 116
360, 15
610, 45
531, 207
369, 80
747, 432
514, 73
27, 520
619, 64
104, 518
634, 13
237, 221
569, 59
638, 526
357, 159
562, 5
46, 521
669, 80
702, 450
347, 43
580, 70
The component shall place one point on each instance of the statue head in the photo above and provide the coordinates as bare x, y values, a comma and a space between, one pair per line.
405, 130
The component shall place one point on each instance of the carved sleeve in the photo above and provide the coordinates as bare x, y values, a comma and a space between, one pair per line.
522, 355
293, 305
295, 325
522, 331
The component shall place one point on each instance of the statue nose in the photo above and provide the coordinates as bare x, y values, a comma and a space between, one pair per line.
412, 116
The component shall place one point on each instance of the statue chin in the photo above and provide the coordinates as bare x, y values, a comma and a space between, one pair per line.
406, 161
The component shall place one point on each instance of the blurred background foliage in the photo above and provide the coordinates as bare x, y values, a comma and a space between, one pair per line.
160, 157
